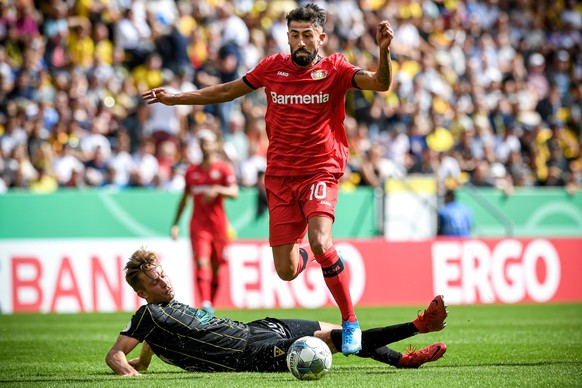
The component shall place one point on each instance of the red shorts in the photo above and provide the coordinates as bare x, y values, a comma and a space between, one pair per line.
207, 245
293, 200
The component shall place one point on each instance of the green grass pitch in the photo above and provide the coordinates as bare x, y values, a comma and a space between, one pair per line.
487, 346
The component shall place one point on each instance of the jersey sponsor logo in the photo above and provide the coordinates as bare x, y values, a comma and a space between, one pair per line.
325, 203
319, 74
298, 99
282, 73
200, 189
194, 175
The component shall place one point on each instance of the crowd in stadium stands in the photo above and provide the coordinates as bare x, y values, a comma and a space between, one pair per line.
485, 92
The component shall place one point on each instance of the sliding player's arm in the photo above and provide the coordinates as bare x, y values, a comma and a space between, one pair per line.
117, 356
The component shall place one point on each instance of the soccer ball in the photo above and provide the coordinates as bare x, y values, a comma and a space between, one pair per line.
309, 358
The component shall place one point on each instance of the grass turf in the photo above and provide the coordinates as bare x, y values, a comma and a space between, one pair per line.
487, 346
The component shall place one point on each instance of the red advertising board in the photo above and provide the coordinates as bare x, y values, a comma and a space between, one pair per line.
82, 275
466, 271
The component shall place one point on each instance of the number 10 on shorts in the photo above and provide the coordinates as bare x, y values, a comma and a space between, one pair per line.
318, 191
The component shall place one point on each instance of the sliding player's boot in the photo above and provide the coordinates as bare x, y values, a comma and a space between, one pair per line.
434, 316
415, 358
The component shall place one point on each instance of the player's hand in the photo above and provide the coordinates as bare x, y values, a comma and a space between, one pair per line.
175, 232
138, 364
159, 95
385, 34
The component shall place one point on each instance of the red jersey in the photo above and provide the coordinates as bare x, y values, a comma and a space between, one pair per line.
209, 216
305, 113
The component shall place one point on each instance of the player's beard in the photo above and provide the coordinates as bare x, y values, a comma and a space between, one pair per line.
303, 60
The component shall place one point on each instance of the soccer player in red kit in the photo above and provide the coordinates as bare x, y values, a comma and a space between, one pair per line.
308, 148
208, 183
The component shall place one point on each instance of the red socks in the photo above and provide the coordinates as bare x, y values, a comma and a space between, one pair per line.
337, 281
304, 260
213, 288
204, 283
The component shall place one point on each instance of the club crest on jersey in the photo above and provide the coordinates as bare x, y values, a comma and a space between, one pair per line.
318, 74
215, 174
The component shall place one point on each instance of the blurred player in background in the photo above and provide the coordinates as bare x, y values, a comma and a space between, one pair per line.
208, 183
454, 218
308, 147
195, 341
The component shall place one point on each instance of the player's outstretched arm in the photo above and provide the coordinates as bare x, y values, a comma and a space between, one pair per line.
382, 78
211, 95
116, 358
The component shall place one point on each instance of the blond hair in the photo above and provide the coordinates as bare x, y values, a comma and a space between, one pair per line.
141, 260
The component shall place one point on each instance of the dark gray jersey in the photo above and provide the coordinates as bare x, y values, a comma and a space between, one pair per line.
189, 338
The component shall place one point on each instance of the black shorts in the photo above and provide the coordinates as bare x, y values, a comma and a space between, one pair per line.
269, 340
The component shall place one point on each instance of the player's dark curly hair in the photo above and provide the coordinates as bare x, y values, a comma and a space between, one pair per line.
307, 13
141, 260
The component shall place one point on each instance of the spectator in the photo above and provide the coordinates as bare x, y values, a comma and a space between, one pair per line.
427, 164
573, 178
234, 30
236, 141
45, 183
481, 175
25, 23
121, 162
497, 61
95, 140
96, 168
146, 165
166, 155
507, 142
175, 182
65, 164
536, 77
376, 168
80, 45
396, 145
149, 73
18, 167
252, 166
449, 171
166, 122
134, 124
173, 49
133, 36
104, 48
14, 135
